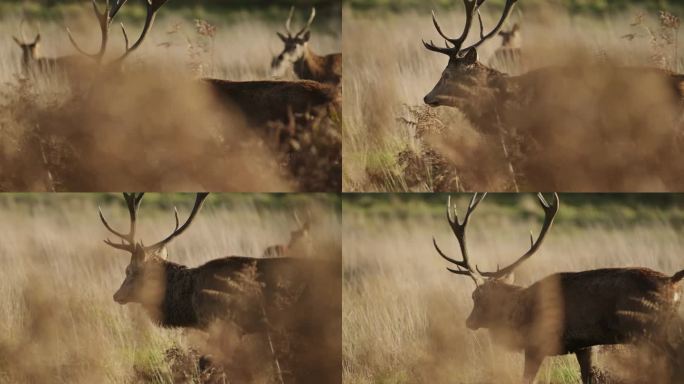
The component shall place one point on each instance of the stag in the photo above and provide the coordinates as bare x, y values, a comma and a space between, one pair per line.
480, 91
297, 239
298, 55
566, 312
280, 292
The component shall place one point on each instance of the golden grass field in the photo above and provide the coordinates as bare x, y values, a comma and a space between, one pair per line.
156, 113
58, 321
389, 134
404, 314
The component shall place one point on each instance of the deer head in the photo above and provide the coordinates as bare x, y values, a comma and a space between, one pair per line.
493, 290
295, 45
300, 234
29, 51
464, 74
105, 19
511, 38
145, 279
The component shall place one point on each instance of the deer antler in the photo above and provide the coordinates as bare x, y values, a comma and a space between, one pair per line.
506, 12
199, 200
550, 211
306, 27
127, 239
459, 230
105, 20
472, 7
153, 7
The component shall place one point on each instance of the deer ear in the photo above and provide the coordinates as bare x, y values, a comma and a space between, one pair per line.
162, 253
282, 37
37, 39
509, 279
307, 36
470, 57
17, 41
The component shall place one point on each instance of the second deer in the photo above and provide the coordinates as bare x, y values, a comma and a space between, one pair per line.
508, 57
568, 312
298, 55
34, 63
298, 238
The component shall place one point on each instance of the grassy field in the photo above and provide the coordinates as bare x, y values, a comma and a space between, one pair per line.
50, 127
573, 5
393, 142
59, 323
404, 314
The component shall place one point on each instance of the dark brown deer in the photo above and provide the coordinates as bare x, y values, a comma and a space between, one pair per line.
545, 118
297, 238
263, 101
566, 312
298, 55
279, 292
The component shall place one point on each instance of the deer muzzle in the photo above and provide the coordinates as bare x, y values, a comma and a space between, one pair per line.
471, 323
120, 297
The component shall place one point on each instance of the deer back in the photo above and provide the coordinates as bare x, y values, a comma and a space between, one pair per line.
575, 310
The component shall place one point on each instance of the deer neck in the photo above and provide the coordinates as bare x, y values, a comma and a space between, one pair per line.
27, 58
176, 309
308, 66
510, 328
486, 98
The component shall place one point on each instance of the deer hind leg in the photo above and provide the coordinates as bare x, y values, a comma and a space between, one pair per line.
585, 359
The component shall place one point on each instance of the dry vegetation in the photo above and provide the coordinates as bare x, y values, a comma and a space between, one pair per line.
393, 142
155, 127
404, 314
59, 322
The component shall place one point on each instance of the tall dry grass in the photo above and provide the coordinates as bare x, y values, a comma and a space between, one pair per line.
59, 323
388, 72
156, 115
404, 314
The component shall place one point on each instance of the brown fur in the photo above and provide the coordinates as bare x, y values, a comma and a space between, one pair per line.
573, 311
324, 69
263, 101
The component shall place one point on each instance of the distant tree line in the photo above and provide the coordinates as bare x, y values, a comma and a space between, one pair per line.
197, 3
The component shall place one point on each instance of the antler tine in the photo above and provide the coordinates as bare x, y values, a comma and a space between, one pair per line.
506, 12
550, 211
289, 21
470, 7
104, 20
199, 200
153, 7
133, 201
463, 266
308, 23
